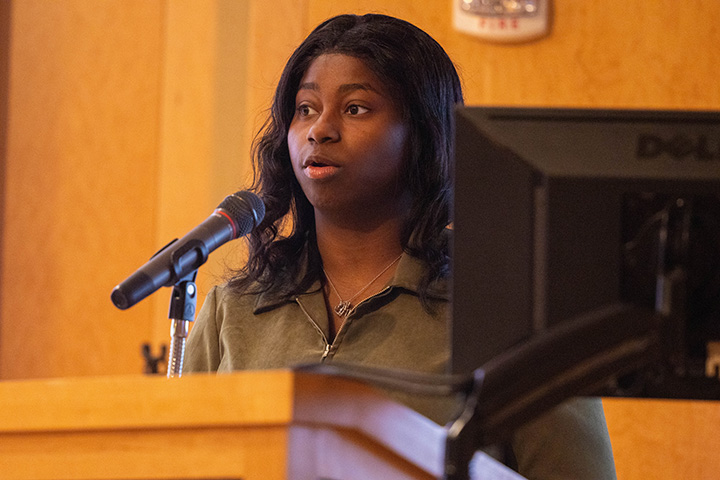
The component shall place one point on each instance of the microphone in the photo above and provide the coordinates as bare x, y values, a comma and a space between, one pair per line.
236, 216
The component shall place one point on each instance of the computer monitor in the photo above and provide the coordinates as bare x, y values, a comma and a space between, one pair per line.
559, 213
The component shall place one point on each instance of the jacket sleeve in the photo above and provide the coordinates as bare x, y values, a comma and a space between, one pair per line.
203, 345
569, 442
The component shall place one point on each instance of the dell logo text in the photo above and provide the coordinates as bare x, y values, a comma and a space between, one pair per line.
679, 147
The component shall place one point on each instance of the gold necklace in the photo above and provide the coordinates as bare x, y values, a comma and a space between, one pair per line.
345, 307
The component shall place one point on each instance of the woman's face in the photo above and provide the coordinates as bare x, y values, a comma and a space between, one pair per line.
347, 139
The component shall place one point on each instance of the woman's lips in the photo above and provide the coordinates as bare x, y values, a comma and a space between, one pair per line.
317, 168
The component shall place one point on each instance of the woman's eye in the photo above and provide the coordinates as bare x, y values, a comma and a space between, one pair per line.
356, 110
305, 110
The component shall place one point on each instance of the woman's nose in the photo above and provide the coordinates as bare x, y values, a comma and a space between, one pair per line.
324, 129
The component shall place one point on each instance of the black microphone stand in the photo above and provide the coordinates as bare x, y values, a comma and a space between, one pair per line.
182, 311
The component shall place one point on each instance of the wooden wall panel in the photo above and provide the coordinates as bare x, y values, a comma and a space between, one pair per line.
202, 142
81, 137
223, 60
663, 439
129, 122
5, 23
609, 53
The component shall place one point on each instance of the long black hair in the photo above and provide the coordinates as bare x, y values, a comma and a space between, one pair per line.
417, 71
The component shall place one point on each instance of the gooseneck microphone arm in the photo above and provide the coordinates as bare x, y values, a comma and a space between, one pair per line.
182, 311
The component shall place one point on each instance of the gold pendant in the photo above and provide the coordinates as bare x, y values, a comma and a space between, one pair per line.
343, 309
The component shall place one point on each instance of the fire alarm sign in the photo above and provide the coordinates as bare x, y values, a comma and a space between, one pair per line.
502, 20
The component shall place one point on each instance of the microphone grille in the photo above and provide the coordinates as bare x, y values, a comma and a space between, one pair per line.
246, 210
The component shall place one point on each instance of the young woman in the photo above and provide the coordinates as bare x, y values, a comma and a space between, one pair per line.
353, 167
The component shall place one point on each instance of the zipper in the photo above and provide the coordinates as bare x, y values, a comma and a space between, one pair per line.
326, 352
328, 347
331, 347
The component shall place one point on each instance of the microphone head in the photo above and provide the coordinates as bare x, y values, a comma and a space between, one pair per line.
246, 209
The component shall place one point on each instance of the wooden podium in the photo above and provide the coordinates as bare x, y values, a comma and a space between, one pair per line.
260, 425
247, 425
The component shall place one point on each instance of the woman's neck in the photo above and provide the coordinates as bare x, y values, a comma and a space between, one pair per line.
352, 256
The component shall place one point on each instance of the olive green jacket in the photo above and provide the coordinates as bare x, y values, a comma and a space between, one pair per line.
390, 330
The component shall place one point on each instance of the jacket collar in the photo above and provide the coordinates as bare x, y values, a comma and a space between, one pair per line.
407, 277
